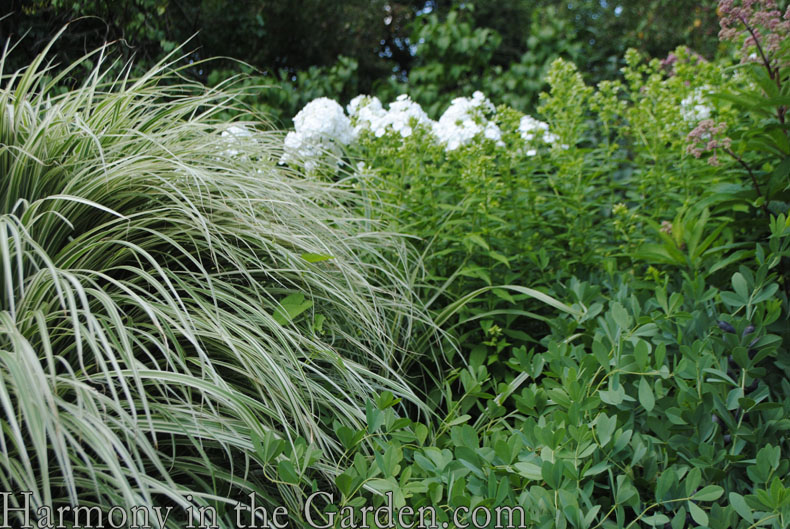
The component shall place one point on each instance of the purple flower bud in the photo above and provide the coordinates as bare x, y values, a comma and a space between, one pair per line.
726, 327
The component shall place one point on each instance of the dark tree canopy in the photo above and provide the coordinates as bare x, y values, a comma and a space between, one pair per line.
431, 48
268, 35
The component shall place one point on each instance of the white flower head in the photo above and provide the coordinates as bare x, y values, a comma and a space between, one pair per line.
367, 113
492, 132
693, 108
323, 119
534, 132
321, 128
466, 119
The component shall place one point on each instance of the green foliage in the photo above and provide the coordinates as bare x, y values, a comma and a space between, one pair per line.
647, 407
610, 285
550, 37
654, 27
491, 214
646, 384
452, 56
455, 57
467, 46
433, 50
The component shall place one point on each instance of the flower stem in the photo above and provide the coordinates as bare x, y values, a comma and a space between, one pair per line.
754, 181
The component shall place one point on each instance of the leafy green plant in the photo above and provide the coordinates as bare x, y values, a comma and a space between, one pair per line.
451, 56
658, 396
757, 142
642, 408
491, 213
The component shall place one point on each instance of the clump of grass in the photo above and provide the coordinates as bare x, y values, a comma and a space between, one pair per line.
167, 298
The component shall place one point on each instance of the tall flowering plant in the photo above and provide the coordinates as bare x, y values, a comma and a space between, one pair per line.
760, 29
759, 140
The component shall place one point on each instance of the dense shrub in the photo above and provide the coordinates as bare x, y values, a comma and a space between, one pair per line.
652, 213
640, 408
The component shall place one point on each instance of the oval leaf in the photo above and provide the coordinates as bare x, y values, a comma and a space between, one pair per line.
697, 514
646, 397
709, 493
739, 504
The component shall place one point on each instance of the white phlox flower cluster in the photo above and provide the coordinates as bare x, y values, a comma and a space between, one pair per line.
367, 113
693, 107
465, 119
531, 130
321, 127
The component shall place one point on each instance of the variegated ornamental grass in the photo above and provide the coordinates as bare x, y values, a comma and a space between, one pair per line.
167, 298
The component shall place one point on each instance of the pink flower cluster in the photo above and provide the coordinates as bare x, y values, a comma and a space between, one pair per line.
668, 64
688, 57
761, 26
708, 137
